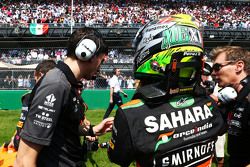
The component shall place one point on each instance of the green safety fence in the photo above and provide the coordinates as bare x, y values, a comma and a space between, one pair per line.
95, 99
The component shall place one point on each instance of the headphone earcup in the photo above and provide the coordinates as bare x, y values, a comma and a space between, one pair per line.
85, 49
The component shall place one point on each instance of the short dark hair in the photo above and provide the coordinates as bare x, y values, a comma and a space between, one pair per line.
45, 66
92, 34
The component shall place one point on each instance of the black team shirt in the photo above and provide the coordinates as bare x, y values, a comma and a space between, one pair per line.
54, 117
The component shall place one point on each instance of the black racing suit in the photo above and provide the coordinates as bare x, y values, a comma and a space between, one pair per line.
53, 119
25, 101
178, 132
239, 128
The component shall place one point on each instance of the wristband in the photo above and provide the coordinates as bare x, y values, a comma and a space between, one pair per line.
91, 132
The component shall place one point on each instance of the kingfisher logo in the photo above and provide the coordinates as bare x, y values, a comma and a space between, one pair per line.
164, 138
50, 99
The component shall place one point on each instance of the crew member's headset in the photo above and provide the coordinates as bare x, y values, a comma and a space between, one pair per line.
86, 48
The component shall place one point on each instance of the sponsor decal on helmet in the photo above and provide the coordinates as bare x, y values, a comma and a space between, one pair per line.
181, 35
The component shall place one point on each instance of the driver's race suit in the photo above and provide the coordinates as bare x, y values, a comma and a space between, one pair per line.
181, 131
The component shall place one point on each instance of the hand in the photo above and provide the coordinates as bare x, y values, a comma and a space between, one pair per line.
86, 122
104, 126
111, 101
90, 138
125, 95
216, 89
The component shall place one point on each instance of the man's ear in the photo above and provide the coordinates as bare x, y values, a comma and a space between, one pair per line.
38, 75
240, 66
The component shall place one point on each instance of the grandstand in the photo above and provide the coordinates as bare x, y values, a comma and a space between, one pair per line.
224, 22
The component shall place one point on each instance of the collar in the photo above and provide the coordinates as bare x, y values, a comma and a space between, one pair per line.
69, 74
245, 90
245, 81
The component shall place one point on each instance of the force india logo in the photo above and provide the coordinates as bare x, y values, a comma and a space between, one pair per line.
164, 138
187, 135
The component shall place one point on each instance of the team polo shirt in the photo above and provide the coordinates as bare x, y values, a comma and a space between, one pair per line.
53, 119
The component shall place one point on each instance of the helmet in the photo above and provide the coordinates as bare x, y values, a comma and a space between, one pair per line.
171, 47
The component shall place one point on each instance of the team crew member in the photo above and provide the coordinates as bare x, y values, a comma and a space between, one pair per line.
41, 69
167, 123
212, 88
115, 90
51, 134
231, 68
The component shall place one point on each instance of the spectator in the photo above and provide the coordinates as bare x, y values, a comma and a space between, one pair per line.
132, 14
7, 82
20, 81
130, 83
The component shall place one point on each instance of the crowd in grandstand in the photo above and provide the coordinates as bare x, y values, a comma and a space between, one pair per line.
110, 13
125, 13
31, 56
26, 81
226, 15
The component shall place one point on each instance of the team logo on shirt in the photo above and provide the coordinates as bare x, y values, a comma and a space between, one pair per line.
50, 99
164, 138
181, 101
195, 155
177, 118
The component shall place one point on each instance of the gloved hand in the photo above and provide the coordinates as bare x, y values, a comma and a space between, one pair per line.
226, 95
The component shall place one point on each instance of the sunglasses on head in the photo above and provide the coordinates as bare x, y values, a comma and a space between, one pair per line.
217, 66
